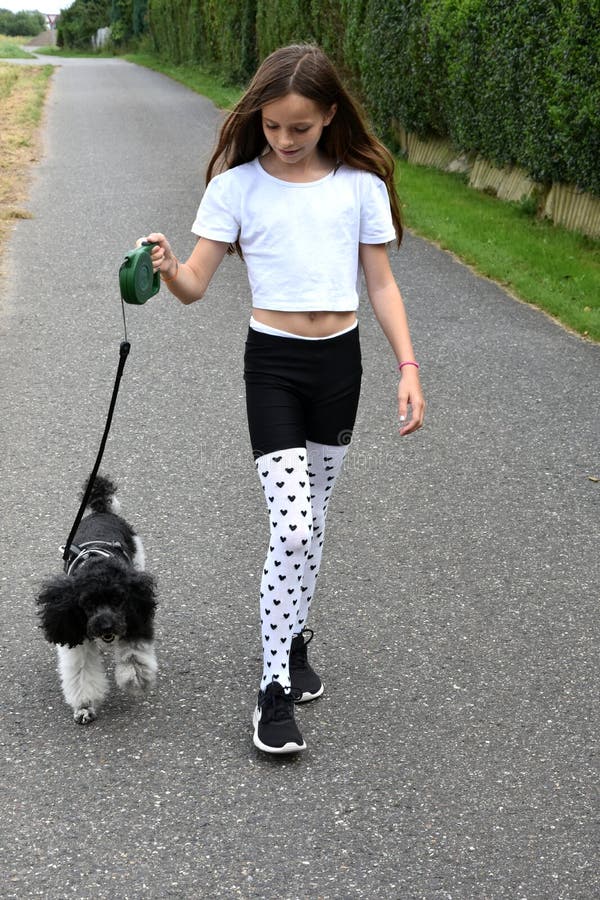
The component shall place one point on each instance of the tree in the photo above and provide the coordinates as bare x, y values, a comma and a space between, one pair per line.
81, 21
22, 24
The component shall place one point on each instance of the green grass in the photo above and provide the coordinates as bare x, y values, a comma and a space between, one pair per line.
74, 54
543, 264
193, 76
10, 48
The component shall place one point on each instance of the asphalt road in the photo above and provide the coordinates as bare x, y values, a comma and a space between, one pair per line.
455, 752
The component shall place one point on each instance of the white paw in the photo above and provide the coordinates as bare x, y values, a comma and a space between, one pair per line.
85, 715
134, 678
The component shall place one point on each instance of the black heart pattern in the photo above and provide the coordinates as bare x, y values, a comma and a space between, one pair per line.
296, 539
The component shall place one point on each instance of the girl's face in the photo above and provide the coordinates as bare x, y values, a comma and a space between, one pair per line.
293, 126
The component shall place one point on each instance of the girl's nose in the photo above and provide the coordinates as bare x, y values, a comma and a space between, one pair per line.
286, 140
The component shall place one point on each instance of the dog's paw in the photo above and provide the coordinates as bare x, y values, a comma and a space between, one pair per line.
134, 678
84, 715
136, 668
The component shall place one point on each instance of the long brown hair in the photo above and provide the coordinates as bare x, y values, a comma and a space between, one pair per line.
304, 69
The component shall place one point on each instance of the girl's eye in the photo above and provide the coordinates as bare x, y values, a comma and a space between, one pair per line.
300, 129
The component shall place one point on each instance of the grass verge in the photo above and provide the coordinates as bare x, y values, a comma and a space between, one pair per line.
10, 48
545, 265
22, 94
74, 54
195, 77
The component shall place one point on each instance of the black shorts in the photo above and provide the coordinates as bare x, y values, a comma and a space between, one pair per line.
299, 390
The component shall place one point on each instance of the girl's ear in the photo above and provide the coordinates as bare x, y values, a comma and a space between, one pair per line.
330, 114
61, 617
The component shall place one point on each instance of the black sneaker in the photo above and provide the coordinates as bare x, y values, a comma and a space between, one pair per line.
303, 677
275, 730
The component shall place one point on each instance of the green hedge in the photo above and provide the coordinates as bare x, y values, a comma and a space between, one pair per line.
517, 81
216, 34
336, 25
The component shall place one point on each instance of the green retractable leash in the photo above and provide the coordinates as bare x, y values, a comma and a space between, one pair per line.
137, 279
138, 282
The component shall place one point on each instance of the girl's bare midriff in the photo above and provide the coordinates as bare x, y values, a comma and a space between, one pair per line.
306, 324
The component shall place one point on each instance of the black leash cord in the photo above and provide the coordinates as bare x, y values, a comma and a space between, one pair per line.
123, 353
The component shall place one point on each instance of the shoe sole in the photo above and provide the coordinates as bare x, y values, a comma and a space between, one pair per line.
288, 748
307, 697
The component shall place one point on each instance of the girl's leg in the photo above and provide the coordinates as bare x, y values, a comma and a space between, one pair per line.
285, 482
293, 388
324, 464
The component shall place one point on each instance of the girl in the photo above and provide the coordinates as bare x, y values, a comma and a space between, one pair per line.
305, 193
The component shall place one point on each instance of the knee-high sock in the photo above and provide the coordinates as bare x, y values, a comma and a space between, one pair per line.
324, 464
285, 482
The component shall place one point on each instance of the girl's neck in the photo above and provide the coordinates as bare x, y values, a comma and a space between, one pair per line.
311, 169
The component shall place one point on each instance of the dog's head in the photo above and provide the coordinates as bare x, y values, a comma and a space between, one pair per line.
104, 599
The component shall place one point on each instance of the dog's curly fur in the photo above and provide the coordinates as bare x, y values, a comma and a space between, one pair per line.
106, 600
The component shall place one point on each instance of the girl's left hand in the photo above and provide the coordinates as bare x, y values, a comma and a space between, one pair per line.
410, 394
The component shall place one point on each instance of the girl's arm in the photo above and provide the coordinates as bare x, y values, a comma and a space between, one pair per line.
389, 309
186, 281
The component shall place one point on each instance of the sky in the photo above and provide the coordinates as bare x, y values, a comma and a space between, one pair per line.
44, 6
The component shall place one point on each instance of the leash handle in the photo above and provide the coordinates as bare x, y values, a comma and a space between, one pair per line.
123, 353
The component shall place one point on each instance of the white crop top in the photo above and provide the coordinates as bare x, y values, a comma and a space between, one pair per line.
300, 241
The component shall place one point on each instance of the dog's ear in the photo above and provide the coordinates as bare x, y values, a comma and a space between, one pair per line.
61, 617
141, 604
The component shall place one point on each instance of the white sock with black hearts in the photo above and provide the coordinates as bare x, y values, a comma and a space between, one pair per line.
324, 465
285, 482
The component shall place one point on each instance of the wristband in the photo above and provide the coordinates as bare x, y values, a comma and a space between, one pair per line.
173, 277
407, 363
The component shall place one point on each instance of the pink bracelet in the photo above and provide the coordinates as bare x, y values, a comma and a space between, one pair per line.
407, 363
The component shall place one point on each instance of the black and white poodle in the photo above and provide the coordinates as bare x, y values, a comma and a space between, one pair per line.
104, 598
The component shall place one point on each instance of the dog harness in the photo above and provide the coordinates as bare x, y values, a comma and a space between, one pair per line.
80, 554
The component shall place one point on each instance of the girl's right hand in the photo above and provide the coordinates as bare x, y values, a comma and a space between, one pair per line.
163, 258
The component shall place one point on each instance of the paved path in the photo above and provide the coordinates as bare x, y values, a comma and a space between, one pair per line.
454, 754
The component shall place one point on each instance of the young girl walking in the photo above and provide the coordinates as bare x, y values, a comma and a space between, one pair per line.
305, 193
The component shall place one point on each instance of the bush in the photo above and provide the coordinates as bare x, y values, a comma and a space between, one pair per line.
515, 80
121, 22
218, 35
574, 103
22, 24
403, 67
80, 21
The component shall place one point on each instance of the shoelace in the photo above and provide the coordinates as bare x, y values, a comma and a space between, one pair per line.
299, 653
278, 705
